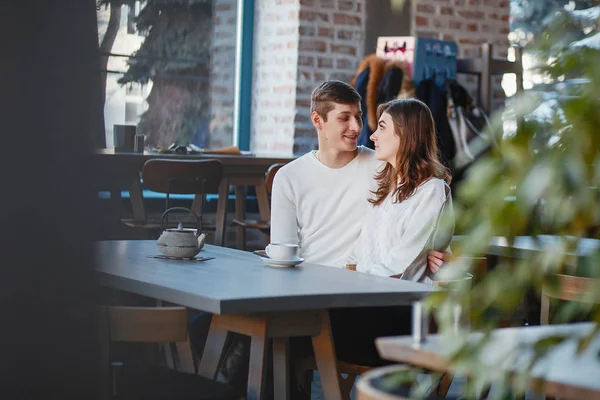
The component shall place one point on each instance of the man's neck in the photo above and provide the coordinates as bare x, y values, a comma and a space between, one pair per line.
335, 158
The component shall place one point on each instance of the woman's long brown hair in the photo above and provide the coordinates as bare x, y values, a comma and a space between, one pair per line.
417, 158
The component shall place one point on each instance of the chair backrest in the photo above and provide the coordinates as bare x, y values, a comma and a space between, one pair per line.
145, 324
182, 176
570, 288
271, 175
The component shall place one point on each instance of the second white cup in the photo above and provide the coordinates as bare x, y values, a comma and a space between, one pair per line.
282, 252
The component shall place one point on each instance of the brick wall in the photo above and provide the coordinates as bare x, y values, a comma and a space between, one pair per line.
297, 45
222, 73
300, 43
330, 47
469, 23
274, 76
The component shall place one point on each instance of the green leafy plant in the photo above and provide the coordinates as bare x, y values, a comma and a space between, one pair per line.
551, 168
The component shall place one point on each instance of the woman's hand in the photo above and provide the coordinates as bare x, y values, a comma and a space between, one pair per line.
436, 260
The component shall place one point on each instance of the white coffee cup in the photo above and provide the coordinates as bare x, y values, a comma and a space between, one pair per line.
282, 252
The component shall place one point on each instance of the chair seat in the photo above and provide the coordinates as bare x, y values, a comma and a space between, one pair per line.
253, 224
135, 382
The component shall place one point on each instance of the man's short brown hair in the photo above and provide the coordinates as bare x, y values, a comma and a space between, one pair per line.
330, 92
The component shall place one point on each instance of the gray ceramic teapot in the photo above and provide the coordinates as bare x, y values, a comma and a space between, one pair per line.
180, 242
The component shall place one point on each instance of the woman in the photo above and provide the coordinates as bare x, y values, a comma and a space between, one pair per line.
404, 222
412, 198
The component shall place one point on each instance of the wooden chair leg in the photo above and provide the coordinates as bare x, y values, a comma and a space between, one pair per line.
444, 385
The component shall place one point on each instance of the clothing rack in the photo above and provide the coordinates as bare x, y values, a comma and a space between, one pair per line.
488, 66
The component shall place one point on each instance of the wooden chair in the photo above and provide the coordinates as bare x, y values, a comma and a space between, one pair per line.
306, 366
261, 225
152, 325
197, 177
569, 288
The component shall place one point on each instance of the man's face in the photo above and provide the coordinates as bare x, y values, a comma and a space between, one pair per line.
340, 131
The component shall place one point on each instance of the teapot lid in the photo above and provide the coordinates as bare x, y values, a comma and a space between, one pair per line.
180, 228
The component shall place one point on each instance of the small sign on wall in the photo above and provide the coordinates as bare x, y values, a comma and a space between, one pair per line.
425, 58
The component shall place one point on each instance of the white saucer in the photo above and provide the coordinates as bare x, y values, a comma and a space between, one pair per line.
282, 264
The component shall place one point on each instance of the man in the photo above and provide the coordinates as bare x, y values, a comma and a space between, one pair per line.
319, 200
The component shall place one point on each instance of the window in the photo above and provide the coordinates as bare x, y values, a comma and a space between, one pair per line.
170, 68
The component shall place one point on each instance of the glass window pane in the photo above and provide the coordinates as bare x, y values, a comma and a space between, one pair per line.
169, 69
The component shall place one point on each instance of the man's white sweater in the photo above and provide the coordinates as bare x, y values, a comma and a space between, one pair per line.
321, 208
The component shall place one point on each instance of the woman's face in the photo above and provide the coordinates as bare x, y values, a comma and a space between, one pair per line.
386, 141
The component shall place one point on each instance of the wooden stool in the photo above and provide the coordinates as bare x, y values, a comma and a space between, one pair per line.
369, 385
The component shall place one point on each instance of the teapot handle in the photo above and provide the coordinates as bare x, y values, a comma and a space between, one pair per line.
162, 221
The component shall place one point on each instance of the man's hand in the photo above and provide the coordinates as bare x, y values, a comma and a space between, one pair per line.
436, 260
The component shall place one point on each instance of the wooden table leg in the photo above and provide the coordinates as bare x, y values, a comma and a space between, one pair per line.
240, 214
222, 212
213, 349
281, 368
326, 360
258, 367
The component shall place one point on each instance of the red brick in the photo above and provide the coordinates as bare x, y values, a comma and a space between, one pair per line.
303, 103
324, 62
505, 18
425, 8
421, 21
492, 3
471, 41
307, 61
446, 11
486, 28
455, 25
471, 14
344, 63
505, 30
309, 3
448, 37
493, 16
312, 45
308, 15
345, 19
358, 7
319, 77
349, 35
327, 4
345, 5
503, 4
474, 2
307, 30
472, 27
343, 49
326, 32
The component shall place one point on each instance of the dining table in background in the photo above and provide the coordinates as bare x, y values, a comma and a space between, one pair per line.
116, 170
247, 296
562, 372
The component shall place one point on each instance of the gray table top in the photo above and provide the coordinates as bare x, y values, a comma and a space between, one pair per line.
526, 246
511, 350
238, 282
